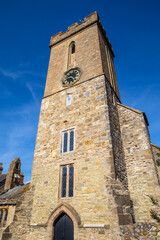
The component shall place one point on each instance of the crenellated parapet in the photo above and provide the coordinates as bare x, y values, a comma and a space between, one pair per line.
75, 28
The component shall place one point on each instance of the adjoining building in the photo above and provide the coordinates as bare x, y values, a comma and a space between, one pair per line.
11, 189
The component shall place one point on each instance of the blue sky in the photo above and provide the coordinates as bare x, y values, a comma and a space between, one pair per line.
133, 27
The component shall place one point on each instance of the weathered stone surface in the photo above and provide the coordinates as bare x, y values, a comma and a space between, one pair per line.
155, 151
141, 231
20, 227
125, 219
141, 171
91, 194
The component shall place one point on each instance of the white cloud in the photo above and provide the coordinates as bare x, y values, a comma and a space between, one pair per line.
30, 88
18, 139
10, 74
17, 74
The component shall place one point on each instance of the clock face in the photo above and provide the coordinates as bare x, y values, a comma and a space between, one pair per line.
70, 77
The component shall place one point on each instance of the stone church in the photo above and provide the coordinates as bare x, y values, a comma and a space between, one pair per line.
95, 174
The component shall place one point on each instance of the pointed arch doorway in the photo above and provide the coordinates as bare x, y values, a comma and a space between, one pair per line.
63, 228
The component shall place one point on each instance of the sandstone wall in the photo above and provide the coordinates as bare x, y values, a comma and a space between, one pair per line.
155, 150
86, 42
106, 50
118, 151
93, 156
142, 178
20, 228
10, 217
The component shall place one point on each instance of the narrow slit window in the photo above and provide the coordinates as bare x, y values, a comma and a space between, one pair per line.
73, 48
64, 182
68, 99
71, 55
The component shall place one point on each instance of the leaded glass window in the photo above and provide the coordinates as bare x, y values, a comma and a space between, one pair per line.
67, 181
67, 141
70, 181
64, 182
71, 141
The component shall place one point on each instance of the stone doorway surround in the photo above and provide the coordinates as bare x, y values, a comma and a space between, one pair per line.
66, 208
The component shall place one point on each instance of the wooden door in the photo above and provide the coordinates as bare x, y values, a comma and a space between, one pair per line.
63, 228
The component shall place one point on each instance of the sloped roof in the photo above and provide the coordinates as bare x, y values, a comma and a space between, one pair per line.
13, 194
155, 146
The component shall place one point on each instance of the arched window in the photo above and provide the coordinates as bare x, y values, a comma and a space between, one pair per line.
73, 48
71, 55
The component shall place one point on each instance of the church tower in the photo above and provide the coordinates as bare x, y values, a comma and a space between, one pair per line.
79, 170
75, 161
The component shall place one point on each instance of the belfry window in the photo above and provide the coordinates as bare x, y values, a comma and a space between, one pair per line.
73, 48
67, 141
67, 181
71, 55
17, 165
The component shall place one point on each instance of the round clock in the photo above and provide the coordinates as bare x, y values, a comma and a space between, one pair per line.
71, 76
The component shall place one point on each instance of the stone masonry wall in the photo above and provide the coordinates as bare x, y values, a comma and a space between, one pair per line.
103, 46
141, 231
20, 229
155, 150
142, 178
118, 152
92, 159
86, 42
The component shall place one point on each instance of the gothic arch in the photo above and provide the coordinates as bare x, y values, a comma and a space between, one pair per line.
66, 208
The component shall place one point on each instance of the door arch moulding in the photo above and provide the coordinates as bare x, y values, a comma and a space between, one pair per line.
70, 211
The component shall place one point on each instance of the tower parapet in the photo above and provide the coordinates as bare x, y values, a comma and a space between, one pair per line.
76, 27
